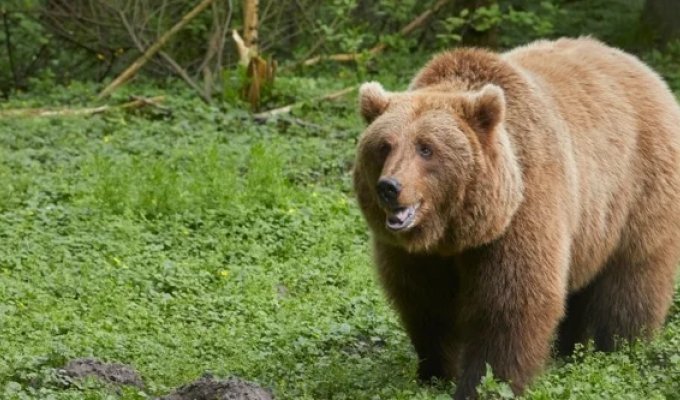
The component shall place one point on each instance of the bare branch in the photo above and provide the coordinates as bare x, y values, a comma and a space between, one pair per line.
175, 66
151, 51
28, 71
225, 31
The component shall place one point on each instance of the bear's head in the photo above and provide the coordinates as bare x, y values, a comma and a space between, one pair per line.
435, 170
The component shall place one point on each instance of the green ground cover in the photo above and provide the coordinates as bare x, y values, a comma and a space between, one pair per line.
204, 241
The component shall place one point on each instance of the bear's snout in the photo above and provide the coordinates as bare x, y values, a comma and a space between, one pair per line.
388, 191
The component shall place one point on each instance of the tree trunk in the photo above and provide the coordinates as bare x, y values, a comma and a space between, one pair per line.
664, 17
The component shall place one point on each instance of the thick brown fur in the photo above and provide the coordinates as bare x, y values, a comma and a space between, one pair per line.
547, 202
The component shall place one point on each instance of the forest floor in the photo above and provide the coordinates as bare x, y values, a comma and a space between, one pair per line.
197, 240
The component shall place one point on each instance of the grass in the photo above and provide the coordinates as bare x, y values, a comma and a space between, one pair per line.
203, 241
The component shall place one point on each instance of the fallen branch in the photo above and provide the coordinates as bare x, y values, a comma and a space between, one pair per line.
342, 57
138, 102
405, 31
263, 116
152, 50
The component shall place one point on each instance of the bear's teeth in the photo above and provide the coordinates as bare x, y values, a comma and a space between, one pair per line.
401, 218
402, 214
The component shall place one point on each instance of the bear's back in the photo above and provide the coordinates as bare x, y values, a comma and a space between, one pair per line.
623, 127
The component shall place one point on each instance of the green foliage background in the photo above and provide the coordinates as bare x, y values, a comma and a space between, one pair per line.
62, 40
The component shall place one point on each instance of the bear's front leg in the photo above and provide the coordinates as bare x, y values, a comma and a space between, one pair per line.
435, 343
423, 290
512, 305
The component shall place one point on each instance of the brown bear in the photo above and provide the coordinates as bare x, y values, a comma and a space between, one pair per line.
520, 195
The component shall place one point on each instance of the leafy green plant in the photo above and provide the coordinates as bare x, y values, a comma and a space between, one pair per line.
492, 388
667, 62
514, 25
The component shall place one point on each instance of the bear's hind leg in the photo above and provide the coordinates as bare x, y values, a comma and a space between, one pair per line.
574, 328
630, 299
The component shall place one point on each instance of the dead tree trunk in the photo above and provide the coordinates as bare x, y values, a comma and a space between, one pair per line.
250, 24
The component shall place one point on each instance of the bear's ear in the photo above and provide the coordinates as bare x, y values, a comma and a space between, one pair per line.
485, 110
373, 100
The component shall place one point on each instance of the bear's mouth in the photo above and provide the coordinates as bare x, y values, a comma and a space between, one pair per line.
402, 218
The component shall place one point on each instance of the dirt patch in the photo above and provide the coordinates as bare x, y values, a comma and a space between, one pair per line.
209, 388
116, 374
205, 388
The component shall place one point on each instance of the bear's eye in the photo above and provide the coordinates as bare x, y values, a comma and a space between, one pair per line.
424, 150
384, 149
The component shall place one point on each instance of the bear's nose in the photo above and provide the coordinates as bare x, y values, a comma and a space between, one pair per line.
388, 190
